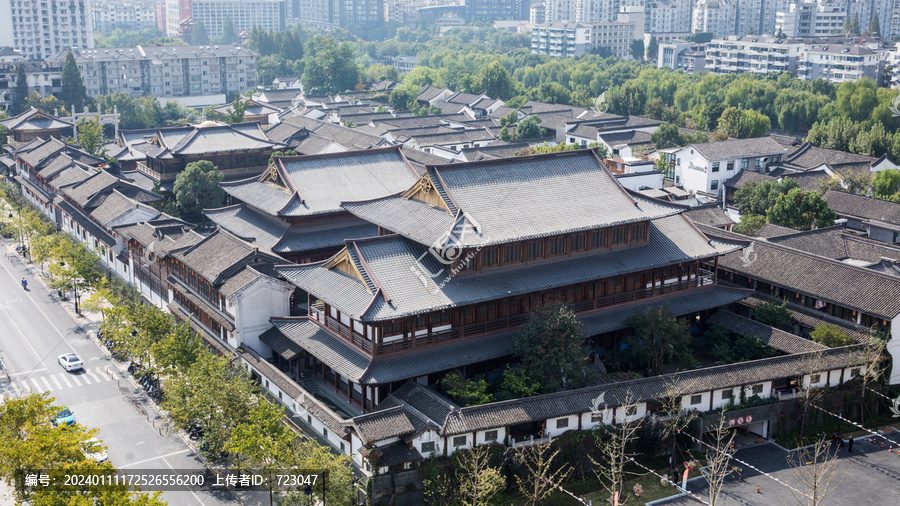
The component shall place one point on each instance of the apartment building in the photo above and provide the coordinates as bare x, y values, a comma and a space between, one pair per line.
127, 15
682, 56
759, 54
39, 29
570, 39
173, 71
811, 19
268, 15
717, 17
839, 63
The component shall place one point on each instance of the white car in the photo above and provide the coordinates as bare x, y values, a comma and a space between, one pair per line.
93, 450
70, 362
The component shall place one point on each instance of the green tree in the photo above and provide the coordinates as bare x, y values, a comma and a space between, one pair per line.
758, 198
404, 98
516, 384
846, 29
743, 123
73, 93
857, 183
90, 135
828, 334
28, 441
197, 188
529, 128
21, 94
229, 33
637, 49
750, 224
199, 37
464, 391
653, 49
49, 105
551, 348
494, 81
74, 265
658, 338
553, 93
875, 25
627, 100
479, 480
330, 68
666, 136
801, 210
854, 25
886, 184
774, 315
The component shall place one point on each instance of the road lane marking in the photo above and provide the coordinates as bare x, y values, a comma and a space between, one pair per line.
36, 384
75, 379
66, 380
103, 374
89, 373
85, 379
132, 464
16, 389
49, 388
28, 372
56, 382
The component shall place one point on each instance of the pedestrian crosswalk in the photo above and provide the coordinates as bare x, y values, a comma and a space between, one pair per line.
44, 382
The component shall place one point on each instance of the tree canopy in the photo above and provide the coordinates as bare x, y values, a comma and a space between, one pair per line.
197, 188
551, 348
330, 68
73, 93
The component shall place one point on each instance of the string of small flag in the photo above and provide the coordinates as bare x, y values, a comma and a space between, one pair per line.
573, 496
751, 466
853, 423
879, 393
665, 480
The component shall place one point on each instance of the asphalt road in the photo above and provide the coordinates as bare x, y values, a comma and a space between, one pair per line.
35, 329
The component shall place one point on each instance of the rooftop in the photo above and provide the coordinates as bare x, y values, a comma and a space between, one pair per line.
735, 148
867, 208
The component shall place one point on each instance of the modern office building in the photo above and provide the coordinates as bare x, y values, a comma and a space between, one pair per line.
39, 29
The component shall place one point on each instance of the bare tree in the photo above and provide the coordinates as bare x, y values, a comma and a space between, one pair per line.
815, 468
676, 418
872, 357
479, 481
543, 471
809, 395
614, 448
718, 458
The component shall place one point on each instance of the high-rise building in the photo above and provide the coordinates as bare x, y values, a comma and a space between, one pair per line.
350, 14
245, 14
498, 9
811, 19
108, 15
718, 17
39, 29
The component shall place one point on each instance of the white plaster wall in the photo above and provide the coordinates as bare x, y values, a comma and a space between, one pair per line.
642, 181
702, 406
893, 348
719, 401
808, 383
766, 390
429, 436
451, 448
501, 434
254, 305
571, 422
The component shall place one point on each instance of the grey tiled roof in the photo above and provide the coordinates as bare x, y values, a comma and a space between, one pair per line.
34, 119
756, 146
393, 261
248, 224
543, 407
207, 308
266, 196
808, 181
808, 156
748, 176
318, 236
709, 215
281, 345
859, 206
88, 224
826, 279
397, 453
433, 406
779, 339
161, 235
515, 199
811, 318
839, 243
384, 424
220, 254
114, 205
771, 231
333, 352
243, 278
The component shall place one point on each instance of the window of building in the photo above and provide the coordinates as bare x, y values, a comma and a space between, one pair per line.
598, 239
576, 242
617, 236
428, 447
637, 231
325, 431
854, 372
727, 394
556, 246
535, 249
562, 423
490, 435
512, 254
459, 441
757, 389
730, 165
714, 184
488, 257
596, 417
715, 167
696, 399
745, 162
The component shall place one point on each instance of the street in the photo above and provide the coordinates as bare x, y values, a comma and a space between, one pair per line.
35, 329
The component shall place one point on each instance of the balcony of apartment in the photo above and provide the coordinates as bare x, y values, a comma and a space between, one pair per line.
429, 338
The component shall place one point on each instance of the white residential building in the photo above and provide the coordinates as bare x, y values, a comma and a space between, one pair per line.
245, 14
667, 16
705, 167
714, 16
759, 54
570, 39
124, 14
839, 63
811, 19
39, 29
